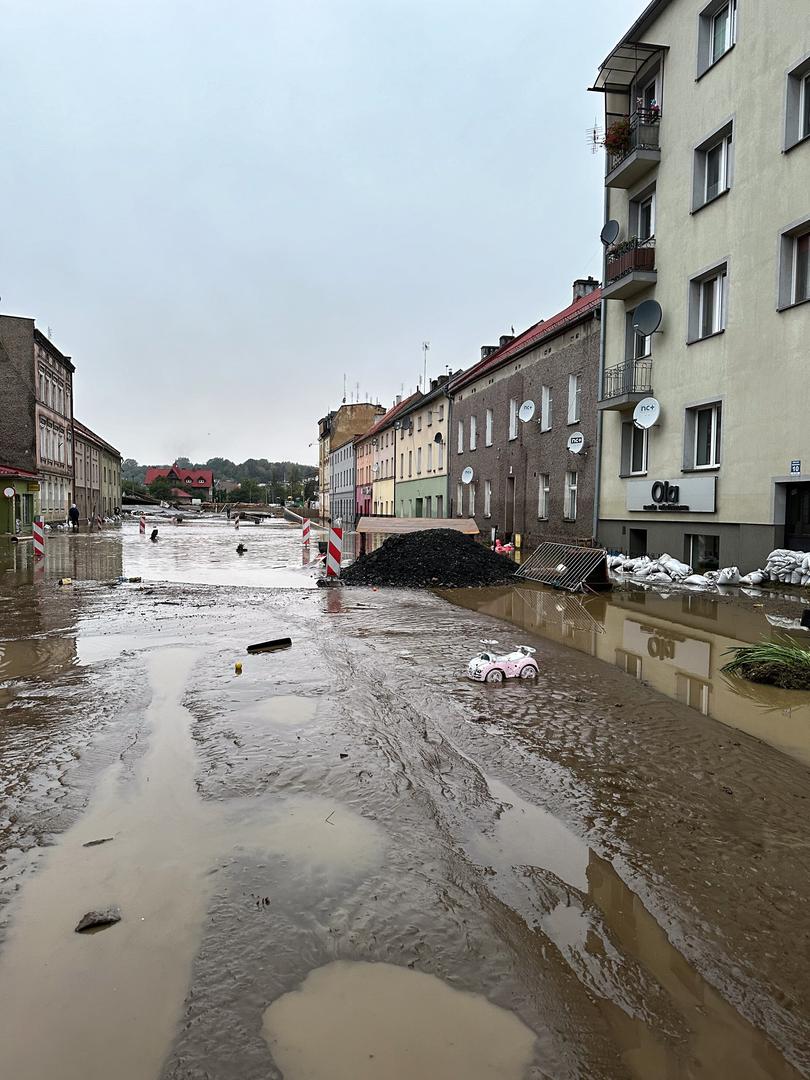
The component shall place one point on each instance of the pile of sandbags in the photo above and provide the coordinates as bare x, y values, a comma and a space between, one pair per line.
663, 571
788, 567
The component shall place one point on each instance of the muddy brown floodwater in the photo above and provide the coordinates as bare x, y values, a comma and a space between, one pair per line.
349, 861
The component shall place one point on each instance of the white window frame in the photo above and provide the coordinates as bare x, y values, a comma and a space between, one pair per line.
487, 498
471, 498
490, 418
729, 9
513, 418
570, 510
794, 285
714, 287
546, 409
461, 436
716, 411
430, 457
440, 464
723, 180
638, 433
441, 412
804, 106
649, 200
716, 280
419, 461
574, 397
459, 500
473, 432
543, 488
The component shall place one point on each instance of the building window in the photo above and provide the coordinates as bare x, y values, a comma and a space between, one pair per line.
574, 398
430, 457
418, 460
441, 412
459, 500
717, 32
708, 297
471, 499
410, 463
797, 111
714, 166
794, 265
513, 418
402, 464
570, 496
419, 422
487, 498
488, 428
645, 224
542, 497
430, 418
461, 436
702, 552
702, 430
634, 450
545, 409
473, 432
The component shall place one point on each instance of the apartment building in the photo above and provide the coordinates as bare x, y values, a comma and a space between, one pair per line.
36, 388
421, 454
705, 446
335, 430
342, 484
376, 450
97, 474
523, 423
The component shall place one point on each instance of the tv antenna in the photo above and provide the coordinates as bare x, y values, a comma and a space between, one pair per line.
595, 137
425, 350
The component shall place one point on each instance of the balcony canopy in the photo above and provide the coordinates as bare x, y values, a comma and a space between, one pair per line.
617, 72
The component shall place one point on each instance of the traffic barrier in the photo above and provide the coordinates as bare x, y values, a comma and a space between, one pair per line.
39, 539
305, 533
334, 552
142, 525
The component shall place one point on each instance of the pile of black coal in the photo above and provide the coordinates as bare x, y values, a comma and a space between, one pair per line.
432, 558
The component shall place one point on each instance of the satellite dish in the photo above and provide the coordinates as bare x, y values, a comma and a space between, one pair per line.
9, 492
647, 317
375, 467
467, 475
576, 442
526, 411
610, 232
437, 437
647, 412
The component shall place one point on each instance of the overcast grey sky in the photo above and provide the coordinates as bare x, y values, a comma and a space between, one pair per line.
220, 208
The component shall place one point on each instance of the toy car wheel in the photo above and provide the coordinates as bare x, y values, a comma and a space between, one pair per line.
528, 672
494, 676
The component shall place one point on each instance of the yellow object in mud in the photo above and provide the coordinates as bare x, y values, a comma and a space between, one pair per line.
65, 580
238, 667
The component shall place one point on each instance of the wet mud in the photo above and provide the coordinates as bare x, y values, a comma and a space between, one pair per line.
607, 874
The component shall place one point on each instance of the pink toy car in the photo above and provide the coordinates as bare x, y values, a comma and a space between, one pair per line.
520, 664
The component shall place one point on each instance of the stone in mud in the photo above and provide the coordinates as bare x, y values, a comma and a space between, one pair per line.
96, 920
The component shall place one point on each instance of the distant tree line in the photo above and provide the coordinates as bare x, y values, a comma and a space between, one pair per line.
259, 480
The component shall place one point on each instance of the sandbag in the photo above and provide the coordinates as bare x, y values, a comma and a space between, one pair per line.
729, 575
696, 579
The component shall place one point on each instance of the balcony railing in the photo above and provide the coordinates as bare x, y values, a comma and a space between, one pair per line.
632, 377
630, 256
624, 134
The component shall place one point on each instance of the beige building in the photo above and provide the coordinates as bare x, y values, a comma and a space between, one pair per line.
421, 458
708, 215
97, 469
335, 431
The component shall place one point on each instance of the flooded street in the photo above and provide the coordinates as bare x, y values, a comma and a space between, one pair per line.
349, 861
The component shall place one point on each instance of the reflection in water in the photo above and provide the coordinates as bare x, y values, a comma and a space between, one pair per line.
677, 645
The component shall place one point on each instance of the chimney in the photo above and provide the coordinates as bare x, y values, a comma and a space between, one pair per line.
397, 400
583, 286
505, 339
487, 350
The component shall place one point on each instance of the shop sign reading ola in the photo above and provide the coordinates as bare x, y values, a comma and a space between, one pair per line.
692, 494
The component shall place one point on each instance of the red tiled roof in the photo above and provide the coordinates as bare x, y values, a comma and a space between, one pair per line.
185, 476
386, 420
23, 474
542, 330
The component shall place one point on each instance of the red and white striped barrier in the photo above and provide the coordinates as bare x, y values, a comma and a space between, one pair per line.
334, 552
305, 532
142, 525
236, 523
39, 539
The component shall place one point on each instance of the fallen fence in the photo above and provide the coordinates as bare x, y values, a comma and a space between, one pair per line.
566, 566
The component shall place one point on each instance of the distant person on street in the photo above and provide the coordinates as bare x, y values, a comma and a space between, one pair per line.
73, 515
228, 512
154, 536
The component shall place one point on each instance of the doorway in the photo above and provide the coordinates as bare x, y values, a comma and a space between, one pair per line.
638, 543
509, 509
797, 517
419, 508
439, 506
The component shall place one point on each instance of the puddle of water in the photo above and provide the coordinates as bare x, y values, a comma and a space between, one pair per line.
528, 835
677, 645
361, 1021
289, 710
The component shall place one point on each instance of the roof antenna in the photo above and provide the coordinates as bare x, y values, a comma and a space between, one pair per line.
344, 387
425, 348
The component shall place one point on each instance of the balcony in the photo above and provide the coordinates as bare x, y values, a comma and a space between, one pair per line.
630, 269
632, 146
626, 384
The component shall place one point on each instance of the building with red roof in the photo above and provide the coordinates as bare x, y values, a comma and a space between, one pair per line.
524, 423
196, 483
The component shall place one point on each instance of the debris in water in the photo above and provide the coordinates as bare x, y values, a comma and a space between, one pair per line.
95, 843
97, 920
237, 667
270, 646
440, 558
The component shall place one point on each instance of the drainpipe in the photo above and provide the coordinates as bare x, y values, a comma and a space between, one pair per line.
597, 485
